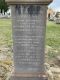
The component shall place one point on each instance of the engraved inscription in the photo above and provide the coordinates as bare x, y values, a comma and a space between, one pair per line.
28, 35
31, 9
34, 9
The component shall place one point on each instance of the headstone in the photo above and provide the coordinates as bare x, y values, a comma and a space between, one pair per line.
29, 25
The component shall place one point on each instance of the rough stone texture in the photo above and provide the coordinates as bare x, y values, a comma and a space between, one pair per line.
29, 37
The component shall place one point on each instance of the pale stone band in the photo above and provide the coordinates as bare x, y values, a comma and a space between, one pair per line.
28, 1
44, 75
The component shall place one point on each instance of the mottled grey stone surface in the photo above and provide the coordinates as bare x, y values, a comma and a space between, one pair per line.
29, 37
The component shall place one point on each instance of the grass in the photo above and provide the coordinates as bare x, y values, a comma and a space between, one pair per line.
5, 32
53, 35
5, 48
53, 40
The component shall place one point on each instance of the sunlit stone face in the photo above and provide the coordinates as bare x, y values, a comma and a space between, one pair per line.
29, 35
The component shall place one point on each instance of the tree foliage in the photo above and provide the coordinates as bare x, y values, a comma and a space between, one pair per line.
3, 6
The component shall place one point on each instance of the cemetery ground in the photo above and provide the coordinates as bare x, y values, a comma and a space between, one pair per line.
52, 49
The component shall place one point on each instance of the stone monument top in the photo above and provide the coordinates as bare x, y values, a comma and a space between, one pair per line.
28, 1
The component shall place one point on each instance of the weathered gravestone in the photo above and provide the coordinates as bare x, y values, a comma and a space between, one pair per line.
29, 25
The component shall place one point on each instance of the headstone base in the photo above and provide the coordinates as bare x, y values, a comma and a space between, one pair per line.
34, 78
23, 77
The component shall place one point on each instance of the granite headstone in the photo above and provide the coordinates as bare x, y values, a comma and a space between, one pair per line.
29, 27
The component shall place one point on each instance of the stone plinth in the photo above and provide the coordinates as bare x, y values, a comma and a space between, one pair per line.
28, 1
29, 27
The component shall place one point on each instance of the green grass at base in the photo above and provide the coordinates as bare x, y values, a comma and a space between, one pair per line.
5, 32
